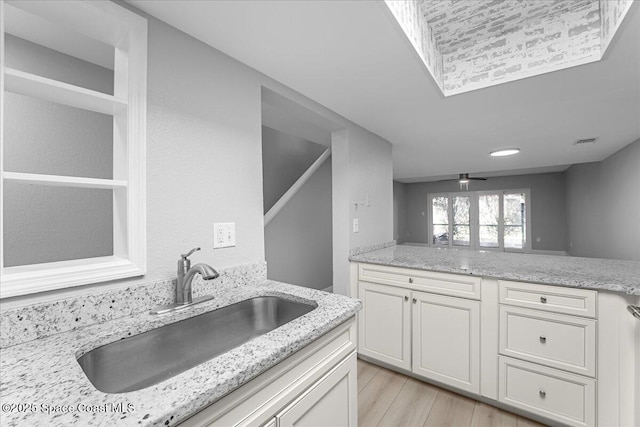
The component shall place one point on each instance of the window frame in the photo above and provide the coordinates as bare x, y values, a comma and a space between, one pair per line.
126, 32
475, 219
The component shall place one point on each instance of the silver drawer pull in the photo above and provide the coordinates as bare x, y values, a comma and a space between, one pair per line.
543, 300
543, 339
410, 280
406, 298
542, 393
634, 310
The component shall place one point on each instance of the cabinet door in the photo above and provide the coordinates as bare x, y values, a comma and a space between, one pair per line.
384, 324
446, 340
330, 402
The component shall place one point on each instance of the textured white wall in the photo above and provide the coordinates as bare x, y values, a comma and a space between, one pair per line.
298, 241
204, 162
603, 206
285, 158
370, 180
400, 214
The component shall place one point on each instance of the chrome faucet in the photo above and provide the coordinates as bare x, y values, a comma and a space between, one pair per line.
186, 273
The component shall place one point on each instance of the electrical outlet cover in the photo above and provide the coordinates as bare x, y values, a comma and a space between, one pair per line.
224, 234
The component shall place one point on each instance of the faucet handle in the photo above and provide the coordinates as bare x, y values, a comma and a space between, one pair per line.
185, 256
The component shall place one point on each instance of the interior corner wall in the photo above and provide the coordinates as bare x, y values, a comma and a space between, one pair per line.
370, 188
298, 241
603, 206
547, 205
399, 212
362, 168
285, 158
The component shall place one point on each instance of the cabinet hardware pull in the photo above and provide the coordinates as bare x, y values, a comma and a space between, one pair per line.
543, 339
543, 300
415, 300
542, 393
410, 280
406, 298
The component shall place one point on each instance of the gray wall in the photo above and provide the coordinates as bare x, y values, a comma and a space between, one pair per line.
298, 241
400, 214
603, 206
47, 224
204, 163
547, 205
284, 158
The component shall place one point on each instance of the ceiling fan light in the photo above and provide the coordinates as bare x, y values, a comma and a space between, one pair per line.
505, 152
463, 180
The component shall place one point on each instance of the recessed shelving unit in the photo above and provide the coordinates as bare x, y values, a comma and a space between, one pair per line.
61, 93
108, 35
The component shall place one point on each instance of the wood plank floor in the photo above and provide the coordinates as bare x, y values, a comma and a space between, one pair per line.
387, 398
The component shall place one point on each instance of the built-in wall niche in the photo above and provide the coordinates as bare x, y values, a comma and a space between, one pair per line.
73, 144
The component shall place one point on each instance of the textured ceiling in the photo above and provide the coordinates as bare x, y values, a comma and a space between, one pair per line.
353, 58
471, 44
459, 24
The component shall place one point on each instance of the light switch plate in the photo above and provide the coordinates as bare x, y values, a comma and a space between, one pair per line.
356, 225
224, 234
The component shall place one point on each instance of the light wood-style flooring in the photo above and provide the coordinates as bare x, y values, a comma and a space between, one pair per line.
387, 398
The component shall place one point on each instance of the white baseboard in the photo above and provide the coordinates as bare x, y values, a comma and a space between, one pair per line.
549, 252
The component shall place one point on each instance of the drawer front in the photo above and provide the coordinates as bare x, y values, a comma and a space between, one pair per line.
557, 395
457, 285
555, 340
578, 302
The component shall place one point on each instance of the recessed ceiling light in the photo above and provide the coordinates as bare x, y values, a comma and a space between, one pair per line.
505, 152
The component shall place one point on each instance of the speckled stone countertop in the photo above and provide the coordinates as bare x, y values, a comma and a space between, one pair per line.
576, 272
44, 374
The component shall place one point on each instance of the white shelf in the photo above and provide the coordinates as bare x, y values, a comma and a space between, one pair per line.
62, 93
63, 181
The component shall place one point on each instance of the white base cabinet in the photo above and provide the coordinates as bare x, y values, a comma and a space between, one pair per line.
384, 324
435, 336
331, 402
446, 340
315, 386
568, 356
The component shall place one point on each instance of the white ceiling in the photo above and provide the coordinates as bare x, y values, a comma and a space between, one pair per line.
352, 57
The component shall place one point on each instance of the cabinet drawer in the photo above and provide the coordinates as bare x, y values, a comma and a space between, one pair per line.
557, 395
556, 340
579, 302
457, 285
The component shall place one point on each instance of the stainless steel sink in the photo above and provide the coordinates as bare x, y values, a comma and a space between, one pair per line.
156, 355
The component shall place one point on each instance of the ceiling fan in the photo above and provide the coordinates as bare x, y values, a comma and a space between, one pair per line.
464, 179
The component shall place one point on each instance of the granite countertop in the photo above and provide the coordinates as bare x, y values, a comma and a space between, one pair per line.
42, 383
577, 272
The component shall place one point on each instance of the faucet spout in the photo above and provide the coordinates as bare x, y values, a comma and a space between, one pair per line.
184, 293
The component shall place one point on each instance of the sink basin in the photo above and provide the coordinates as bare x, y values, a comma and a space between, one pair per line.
151, 357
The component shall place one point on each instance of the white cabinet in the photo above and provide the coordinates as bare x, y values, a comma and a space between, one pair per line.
446, 340
555, 340
558, 395
316, 386
331, 402
384, 324
552, 327
433, 335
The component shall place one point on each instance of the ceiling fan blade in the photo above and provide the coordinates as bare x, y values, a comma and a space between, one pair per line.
479, 179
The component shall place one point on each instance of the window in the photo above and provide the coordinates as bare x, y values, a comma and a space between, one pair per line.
73, 151
488, 220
